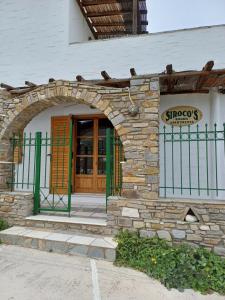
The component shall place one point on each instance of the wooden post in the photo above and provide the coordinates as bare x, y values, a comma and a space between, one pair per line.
135, 17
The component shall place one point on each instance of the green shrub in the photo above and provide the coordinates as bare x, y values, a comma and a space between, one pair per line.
181, 267
3, 225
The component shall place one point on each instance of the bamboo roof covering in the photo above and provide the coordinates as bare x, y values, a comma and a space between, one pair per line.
114, 18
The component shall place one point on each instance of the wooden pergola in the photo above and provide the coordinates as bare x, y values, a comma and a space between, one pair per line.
114, 18
171, 82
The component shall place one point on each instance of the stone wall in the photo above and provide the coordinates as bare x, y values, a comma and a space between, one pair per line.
15, 207
139, 208
140, 171
165, 218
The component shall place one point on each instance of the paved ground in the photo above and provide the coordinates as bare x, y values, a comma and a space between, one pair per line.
27, 274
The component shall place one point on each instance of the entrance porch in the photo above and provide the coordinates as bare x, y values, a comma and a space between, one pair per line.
72, 166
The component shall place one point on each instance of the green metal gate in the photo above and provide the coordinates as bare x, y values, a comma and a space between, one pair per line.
43, 164
32, 169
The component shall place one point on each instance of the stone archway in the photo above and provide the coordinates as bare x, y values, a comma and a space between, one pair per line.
138, 134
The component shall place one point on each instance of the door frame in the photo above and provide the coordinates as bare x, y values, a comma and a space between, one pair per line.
93, 117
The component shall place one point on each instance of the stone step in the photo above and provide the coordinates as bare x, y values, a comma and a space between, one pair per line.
99, 247
72, 224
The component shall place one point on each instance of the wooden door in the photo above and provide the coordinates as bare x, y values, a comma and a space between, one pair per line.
90, 154
85, 155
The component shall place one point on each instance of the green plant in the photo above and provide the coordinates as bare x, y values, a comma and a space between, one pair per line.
179, 267
3, 225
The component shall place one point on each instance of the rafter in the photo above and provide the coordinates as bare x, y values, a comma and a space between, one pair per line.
7, 87
133, 72
112, 24
80, 78
207, 68
170, 81
121, 32
105, 75
30, 84
101, 2
108, 13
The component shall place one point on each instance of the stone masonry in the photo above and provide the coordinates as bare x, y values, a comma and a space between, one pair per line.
140, 207
15, 207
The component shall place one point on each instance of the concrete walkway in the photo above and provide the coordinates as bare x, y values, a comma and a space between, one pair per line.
27, 274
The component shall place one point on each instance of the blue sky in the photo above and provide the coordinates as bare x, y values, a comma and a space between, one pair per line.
166, 15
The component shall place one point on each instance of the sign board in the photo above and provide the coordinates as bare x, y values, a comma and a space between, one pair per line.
182, 115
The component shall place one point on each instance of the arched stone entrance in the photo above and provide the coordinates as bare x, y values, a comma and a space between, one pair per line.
137, 133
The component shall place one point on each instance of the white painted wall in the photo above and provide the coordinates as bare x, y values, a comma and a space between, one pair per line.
34, 38
42, 122
213, 108
35, 44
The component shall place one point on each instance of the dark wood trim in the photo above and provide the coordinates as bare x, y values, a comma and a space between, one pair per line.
101, 2
108, 13
201, 80
135, 17
105, 75
90, 116
185, 92
116, 33
192, 73
114, 24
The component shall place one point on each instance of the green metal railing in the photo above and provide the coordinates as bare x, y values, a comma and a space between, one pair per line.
114, 158
192, 161
43, 165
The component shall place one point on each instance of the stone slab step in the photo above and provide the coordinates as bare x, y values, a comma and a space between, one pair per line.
83, 224
99, 247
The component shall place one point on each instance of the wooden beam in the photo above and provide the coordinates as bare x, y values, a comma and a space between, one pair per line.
170, 81
191, 73
79, 78
7, 87
105, 75
20, 91
114, 83
202, 78
107, 13
208, 66
116, 32
174, 92
121, 23
101, 2
135, 17
30, 84
112, 13
133, 72
169, 69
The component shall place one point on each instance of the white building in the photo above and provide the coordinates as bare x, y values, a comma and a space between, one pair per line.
52, 39
53, 56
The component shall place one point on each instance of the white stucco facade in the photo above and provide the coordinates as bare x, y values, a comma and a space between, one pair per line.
195, 160
36, 44
78, 27
44, 39
211, 105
